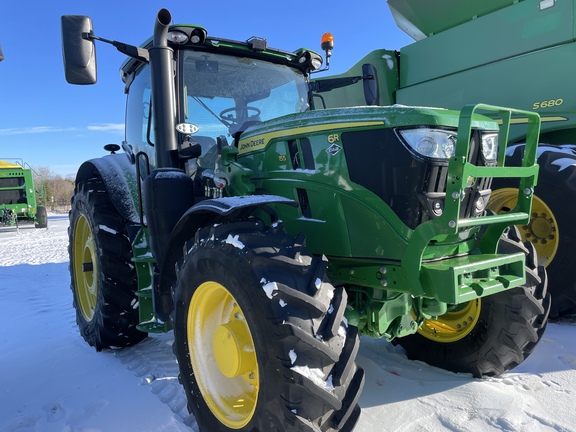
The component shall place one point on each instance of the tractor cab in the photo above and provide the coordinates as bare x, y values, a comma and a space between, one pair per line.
222, 88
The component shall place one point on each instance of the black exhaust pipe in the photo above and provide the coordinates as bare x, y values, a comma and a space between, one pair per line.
163, 94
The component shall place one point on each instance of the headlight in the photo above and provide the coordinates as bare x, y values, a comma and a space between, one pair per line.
311, 60
432, 143
177, 37
490, 146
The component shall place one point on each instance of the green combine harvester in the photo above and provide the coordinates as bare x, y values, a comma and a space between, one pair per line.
501, 52
270, 232
18, 198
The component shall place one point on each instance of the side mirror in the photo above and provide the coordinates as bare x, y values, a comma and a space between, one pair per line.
78, 50
1, 54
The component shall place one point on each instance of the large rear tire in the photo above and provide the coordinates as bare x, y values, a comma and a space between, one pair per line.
259, 334
103, 279
490, 335
551, 229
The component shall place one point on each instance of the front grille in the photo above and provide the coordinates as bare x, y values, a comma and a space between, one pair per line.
413, 187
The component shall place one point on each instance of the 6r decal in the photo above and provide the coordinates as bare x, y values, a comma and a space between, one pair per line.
333, 138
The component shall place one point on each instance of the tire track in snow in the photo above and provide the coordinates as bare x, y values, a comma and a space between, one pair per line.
153, 361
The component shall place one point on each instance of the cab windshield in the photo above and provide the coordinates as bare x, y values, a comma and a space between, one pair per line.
224, 95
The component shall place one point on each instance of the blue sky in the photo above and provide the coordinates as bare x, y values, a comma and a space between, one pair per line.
49, 123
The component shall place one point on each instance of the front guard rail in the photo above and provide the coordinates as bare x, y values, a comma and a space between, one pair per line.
461, 172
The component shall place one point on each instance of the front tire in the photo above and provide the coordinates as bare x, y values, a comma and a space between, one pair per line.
490, 335
103, 280
260, 337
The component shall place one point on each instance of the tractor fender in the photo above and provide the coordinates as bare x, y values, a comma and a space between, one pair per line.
119, 177
204, 213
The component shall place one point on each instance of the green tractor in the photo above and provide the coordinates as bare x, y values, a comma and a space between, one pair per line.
502, 52
270, 233
18, 198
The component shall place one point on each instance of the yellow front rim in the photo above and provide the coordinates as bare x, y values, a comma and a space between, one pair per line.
541, 231
453, 325
223, 355
85, 267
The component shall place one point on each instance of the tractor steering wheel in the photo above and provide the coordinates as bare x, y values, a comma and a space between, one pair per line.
230, 120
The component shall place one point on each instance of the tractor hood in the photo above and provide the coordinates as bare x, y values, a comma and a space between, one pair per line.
258, 136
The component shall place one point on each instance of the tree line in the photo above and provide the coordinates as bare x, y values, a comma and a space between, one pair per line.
52, 190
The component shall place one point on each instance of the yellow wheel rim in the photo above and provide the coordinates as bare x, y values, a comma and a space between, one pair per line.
222, 354
85, 267
542, 230
453, 325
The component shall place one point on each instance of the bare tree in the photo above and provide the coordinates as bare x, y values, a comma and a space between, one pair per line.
58, 190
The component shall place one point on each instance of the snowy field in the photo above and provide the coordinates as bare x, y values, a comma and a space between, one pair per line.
52, 381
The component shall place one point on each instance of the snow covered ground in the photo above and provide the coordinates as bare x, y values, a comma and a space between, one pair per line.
52, 381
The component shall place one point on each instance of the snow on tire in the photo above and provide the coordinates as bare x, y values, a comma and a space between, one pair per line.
103, 279
260, 336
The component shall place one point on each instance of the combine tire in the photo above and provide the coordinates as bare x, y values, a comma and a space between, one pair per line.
490, 335
551, 229
259, 334
103, 278
41, 217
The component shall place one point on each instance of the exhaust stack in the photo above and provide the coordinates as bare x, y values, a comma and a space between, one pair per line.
163, 93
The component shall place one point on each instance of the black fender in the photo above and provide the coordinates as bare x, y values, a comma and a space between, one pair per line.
119, 176
204, 213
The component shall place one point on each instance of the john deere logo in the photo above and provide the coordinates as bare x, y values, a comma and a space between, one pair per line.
333, 149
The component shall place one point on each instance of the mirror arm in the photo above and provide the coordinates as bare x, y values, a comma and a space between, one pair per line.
330, 84
130, 50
